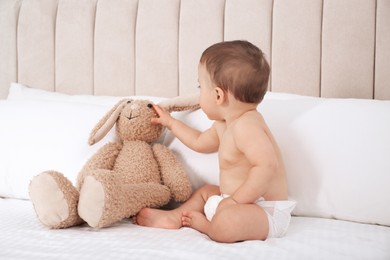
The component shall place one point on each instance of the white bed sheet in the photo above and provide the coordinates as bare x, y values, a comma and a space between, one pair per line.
23, 237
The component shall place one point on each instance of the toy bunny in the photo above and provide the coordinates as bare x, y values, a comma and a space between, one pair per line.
121, 178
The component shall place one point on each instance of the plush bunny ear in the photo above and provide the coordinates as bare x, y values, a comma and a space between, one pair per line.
181, 103
107, 122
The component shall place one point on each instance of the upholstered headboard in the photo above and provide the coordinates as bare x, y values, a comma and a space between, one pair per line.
328, 48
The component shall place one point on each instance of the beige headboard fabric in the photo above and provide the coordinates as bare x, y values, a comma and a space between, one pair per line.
329, 48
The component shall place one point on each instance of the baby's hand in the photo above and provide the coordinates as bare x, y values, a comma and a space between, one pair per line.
164, 118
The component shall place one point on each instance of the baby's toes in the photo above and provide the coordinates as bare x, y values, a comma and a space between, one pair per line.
186, 219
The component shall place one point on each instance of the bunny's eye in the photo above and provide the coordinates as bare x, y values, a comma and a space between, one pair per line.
149, 105
128, 102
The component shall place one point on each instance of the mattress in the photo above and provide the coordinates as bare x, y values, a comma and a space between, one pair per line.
23, 237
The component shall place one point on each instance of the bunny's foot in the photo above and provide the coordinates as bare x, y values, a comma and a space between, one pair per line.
105, 199
55, 200
92, 201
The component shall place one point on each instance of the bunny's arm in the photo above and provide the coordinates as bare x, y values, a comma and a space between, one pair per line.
172, 173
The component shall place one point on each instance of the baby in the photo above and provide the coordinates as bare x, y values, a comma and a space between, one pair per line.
251, 201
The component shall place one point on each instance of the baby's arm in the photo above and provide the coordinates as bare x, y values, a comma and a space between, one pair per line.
203, 142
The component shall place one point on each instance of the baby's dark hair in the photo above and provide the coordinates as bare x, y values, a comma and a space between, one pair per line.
238, 67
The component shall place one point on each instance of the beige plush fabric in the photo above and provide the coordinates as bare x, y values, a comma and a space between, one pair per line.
327, 48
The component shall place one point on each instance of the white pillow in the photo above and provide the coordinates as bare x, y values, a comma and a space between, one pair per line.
21, 92
42, 135
336, 153
283, 96
201, 168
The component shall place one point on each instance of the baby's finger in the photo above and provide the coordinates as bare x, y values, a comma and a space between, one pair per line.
158, 109
155, 120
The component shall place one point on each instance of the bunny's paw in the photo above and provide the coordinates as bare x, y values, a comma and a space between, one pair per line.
55, 200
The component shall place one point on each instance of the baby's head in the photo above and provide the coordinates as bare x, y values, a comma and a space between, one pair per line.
238, 67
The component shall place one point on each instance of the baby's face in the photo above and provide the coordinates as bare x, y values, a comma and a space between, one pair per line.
204, 77
207, 100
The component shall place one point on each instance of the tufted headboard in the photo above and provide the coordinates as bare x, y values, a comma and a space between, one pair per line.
328, 48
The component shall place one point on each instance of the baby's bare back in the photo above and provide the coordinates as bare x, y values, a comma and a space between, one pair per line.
246, 144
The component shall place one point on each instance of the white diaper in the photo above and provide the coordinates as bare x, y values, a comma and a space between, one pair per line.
278, 212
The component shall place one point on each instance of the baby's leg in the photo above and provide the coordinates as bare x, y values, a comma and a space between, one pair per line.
173, 219
238, 223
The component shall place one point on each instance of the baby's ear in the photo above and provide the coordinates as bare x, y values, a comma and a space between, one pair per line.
181, 103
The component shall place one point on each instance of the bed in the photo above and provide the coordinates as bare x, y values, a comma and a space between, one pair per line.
64, 63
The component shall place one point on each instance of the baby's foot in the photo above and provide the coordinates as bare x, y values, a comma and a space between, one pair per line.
195, 220
157, 218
